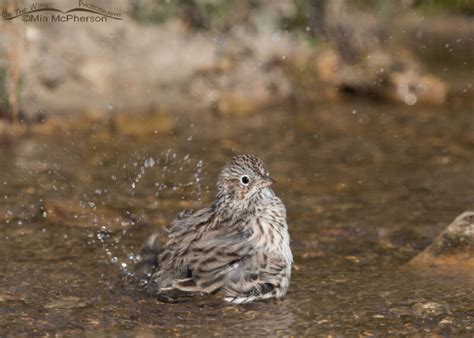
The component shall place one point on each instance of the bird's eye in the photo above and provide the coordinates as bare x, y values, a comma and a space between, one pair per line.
245, 180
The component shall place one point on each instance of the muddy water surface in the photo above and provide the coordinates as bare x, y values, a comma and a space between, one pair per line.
367, 186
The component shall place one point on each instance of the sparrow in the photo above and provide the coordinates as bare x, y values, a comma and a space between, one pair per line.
239, 247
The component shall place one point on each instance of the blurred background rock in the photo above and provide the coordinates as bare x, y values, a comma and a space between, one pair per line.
232, 57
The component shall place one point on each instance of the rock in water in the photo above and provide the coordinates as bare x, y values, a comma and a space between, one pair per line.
454, 247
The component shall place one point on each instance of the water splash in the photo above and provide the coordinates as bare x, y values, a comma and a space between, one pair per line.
167, 174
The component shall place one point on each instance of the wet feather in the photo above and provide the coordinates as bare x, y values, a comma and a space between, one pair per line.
238, 247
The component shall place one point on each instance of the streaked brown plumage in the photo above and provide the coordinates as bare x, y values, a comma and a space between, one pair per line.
238, 247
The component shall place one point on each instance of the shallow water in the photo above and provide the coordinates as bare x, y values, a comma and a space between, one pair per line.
367, 186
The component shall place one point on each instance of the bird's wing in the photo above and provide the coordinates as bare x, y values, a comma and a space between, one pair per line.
190, 219
214, 259
261, 280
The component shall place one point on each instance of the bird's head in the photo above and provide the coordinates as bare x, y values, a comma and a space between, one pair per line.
243, 177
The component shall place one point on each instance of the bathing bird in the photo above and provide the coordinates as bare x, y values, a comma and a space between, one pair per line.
239, 247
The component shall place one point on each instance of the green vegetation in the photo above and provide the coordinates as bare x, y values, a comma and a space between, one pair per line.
153, 11
7, 111
221, 14
4, 102
465, 7
198, 14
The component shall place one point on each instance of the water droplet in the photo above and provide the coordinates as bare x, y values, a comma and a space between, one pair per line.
190, 138
276, 37
150, 162
410, 99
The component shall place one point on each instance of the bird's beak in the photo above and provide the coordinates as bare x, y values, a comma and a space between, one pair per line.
268, 181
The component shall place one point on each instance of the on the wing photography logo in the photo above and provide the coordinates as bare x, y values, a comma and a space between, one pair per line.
47, 12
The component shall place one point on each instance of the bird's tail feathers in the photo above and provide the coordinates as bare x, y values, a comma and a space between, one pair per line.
148, 262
